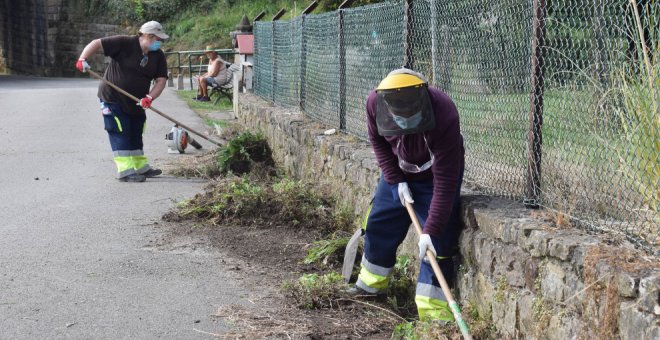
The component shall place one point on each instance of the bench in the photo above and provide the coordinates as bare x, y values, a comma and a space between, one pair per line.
226, 89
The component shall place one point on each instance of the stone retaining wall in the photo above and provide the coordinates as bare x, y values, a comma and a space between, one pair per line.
530, 278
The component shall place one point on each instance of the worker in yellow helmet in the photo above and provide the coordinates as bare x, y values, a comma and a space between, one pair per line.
415, 133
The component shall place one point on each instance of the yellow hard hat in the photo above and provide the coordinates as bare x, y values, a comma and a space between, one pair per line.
401, 78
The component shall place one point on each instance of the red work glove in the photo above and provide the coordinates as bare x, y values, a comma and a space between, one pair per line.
145, 102
82, 65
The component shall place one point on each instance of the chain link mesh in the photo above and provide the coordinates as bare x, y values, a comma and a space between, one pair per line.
373, 40
558, 102
478, 53
263, 61
600, 118
320, 98
287, 45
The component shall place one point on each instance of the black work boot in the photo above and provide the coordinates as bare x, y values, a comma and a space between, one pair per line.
152, 173
132, 178
356, 291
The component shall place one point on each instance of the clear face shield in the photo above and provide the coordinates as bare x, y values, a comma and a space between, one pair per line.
404, 111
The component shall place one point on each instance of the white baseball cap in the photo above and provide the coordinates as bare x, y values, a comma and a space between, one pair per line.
155, 28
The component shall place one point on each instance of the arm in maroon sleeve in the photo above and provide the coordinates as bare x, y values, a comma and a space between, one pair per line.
446, 143
387, 161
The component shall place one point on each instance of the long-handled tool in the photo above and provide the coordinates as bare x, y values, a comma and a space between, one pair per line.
120, 90
441, 279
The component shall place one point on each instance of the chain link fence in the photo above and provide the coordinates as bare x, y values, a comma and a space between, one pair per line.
558, 99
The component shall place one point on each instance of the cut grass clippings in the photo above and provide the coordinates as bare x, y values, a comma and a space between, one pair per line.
259, 202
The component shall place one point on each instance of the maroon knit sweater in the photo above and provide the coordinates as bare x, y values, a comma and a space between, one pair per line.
446, 143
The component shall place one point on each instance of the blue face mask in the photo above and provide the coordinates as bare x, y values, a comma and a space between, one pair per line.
155, 46
410, 122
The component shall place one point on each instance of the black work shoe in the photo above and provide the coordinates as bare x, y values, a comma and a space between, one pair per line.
152, 173
357, 291
133, 178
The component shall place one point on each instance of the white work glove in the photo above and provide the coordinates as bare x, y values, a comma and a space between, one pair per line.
425, 244
404, 194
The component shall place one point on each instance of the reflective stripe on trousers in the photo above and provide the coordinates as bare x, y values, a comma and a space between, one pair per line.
387, 227
131, 162
125, 134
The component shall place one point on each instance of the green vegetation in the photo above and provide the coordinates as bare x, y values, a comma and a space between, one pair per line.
236, 198
639, 115
322, 250
242, 152
481, 327
401, 288
194, 24
312, 291
255, 201
203, 107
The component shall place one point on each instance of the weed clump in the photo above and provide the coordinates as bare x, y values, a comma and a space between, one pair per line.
266, 202
326, 251
242, 153
314, 291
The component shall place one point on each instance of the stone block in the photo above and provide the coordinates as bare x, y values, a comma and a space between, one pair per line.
488, 223
484, 255
561, 327
526, 321
511, 232
627, 284
515, 267
483, 293
562, 246
649, 293
552, 281
505, 311
531, 273
537, 242
636, 324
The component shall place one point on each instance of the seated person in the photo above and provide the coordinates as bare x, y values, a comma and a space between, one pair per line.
217, 74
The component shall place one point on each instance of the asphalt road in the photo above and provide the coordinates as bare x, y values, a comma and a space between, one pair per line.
76, 260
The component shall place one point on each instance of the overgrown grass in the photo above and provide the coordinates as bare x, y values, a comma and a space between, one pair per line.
323, 250
639, 115
257, 202
203, 107
314, 291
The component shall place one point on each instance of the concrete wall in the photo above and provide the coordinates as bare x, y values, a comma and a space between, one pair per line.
522, 273
45, 37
